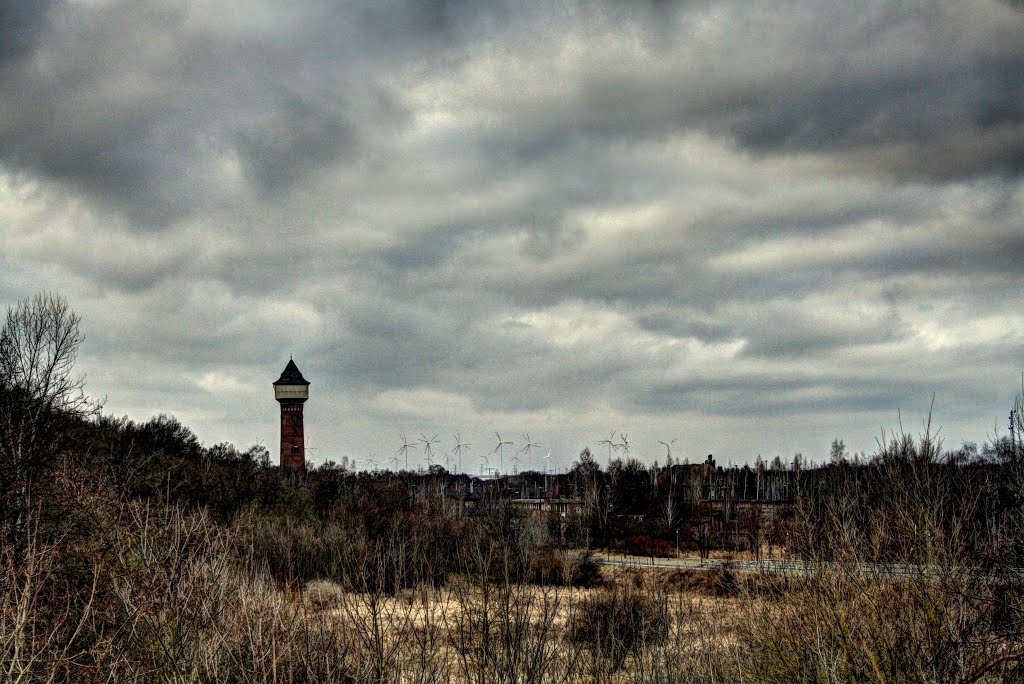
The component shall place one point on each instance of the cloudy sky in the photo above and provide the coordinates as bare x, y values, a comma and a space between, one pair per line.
749, 227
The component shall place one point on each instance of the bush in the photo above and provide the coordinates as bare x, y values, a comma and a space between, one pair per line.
721, 581
551, 567
586, 571
323, 595
646, 546
620, 621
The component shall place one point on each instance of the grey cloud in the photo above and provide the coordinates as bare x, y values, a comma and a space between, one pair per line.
21, 24
924, 113
683, 323
778, 396
292, 137
445, 19
773, 332
910, 101
783, 340
451, 342
389, 343
430, 250
142, 109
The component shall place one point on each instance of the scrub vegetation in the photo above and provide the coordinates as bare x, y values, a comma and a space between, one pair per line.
131, 552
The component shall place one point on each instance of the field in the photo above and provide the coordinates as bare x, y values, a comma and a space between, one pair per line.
179, 598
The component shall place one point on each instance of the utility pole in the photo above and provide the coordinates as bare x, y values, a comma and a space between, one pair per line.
1013, 436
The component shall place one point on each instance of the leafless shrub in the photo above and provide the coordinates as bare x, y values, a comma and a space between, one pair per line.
619, 621
559, 567
38, 637
322, 595
502, 629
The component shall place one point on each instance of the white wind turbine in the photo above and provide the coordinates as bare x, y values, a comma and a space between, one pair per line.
624, 444
547, 466
404, 450
459, 447
428, 448
611, 444
500, 449
485, 466
528, 449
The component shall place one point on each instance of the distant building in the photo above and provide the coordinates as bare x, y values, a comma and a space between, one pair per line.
291, 391
541, 509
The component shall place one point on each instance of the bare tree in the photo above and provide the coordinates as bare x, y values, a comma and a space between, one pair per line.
670, 506
40, 396
837, 452
38, 349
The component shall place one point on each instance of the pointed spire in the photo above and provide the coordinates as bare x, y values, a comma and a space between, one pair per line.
291, 375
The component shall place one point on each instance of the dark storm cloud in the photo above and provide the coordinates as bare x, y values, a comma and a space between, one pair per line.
21, 23
145, 107
291, 142
980, 102
929, 92
433, 19
137, 105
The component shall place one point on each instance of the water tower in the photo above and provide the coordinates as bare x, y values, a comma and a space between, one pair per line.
291, 391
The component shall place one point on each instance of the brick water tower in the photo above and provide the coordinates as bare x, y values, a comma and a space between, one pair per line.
291, 391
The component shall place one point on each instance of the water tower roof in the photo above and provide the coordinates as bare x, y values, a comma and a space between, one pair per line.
291, 375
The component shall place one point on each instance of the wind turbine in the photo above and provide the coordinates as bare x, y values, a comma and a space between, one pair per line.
500, 449
459, 447
546, 467
485, 467
624, 444
428, 448
404, 450
611, 444
528, 449
668, 446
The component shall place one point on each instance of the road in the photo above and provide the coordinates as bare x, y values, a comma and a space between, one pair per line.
766, 565
777, 565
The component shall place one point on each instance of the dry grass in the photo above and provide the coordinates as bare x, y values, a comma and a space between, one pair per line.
466, 631
172, 599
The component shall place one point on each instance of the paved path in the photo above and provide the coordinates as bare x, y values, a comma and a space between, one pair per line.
779, 565
768, 565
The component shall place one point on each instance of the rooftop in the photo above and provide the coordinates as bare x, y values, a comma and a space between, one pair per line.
291, 375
